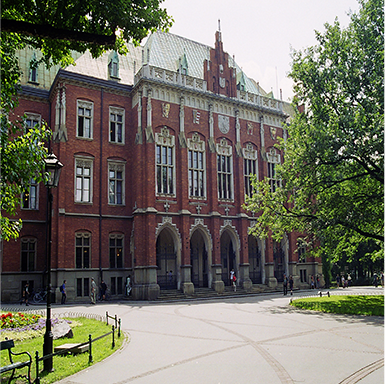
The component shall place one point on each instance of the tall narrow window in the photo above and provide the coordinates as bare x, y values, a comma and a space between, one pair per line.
83, 250
28, 255
116, 183
165, 168
83, 287
225, 170
116, 125
196, 167
30, 196
116, 251
83, 181
114, 65
273, 158
85, 119
33, 64
250, 167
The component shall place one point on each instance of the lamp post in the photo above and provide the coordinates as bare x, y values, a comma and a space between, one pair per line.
53, 167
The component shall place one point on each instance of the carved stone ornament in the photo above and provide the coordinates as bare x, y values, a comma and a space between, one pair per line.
196, 116
165, 110
273, 132
222, 82
250, 128
224, 123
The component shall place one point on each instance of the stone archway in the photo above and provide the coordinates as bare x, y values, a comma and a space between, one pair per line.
229, 254
199, 259
168, 258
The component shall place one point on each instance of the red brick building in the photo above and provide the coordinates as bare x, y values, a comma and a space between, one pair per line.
158, 147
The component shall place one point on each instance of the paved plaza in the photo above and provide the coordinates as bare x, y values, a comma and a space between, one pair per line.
253, 339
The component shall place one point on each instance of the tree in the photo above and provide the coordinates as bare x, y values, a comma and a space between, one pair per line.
56, 28
332, 177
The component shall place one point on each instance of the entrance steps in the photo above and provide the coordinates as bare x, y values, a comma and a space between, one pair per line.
208, 293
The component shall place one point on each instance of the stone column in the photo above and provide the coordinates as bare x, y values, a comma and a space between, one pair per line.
187, 285
218, 285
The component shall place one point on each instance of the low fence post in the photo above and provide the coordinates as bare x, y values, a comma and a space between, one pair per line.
113, 337
116, 321
120, 325
90, 349
37, 380
107, 317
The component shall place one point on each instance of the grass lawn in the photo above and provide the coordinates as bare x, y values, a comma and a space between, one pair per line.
351, 305
64, 365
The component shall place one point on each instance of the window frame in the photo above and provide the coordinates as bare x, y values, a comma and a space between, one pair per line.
250, 156
87, 105
33, 184
165, 143
115, 237
28, 241
225, 177
82, 246
83, 162
116, 112
273, 158
33, 117
196, 175
116, 166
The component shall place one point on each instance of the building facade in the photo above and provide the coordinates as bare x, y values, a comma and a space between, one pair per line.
158, 148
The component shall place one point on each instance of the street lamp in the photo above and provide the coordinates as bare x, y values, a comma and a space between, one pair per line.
53, 167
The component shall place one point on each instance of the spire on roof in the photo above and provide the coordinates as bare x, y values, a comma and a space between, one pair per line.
183, 64
219, 30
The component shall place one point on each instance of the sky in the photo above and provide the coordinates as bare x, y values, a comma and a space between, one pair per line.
259, 33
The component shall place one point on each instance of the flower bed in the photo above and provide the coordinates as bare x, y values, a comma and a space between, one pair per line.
10, 321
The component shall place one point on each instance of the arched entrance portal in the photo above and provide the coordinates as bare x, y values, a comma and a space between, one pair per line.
199, 260
228, 257
255, 273
166, 260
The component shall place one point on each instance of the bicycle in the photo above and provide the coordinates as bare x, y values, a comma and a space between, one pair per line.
39, 296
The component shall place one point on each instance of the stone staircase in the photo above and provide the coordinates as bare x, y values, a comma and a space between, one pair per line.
208, 293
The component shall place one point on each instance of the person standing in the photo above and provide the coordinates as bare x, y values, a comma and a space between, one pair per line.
285, 284
128, 285
349, 280
26, 293
291, 284
103, 289
93, 291
63, 292
338, 281
233, 279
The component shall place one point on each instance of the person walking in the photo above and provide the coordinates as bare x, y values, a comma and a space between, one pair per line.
63, 292
285, 282
93, 291
291, 284
349, 280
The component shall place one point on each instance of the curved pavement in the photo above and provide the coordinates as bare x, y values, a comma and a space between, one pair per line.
253, 339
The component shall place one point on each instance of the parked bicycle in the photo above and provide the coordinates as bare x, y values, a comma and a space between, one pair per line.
39, 297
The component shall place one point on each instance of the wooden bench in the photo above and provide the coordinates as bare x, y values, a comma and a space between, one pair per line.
8, 345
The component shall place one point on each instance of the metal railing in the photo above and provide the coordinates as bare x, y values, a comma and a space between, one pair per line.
89, 342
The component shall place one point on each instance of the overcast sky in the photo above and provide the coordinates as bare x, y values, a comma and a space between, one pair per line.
259, 33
